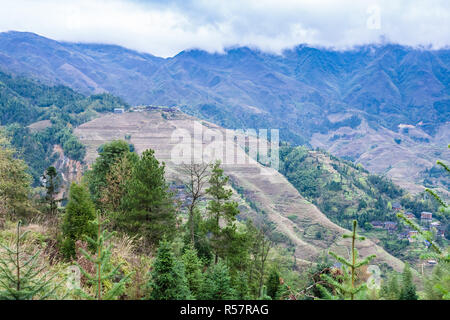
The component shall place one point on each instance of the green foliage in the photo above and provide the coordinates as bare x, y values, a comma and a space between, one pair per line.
80, 211
342, 190
390, 289
193, 269
217, 284
52, 183
14, 183
109, 154
219, 208
168, 280
345, 285
408, 289
23, 101
105, 271
22, 276
148, 206
437, 285
273, 284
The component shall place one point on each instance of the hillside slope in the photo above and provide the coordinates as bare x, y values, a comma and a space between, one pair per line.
274, 196
367, 104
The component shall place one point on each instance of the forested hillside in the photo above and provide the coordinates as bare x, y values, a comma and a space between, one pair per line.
363, 104
346, 192
55, 110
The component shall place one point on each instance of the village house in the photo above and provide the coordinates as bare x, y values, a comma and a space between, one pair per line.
396, 206
410, 215
426, 216
411, 235
390, 226
377, 224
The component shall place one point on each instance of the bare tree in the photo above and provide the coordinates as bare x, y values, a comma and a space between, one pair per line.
198, 177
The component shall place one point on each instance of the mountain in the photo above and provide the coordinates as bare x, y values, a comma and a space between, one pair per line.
38, 117
263, 193
385, 106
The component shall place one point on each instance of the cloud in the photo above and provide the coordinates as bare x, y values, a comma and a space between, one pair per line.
165, 28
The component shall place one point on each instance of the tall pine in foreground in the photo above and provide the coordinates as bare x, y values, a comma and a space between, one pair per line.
345, 285
105, 271
168, 280
148, 204
22, 276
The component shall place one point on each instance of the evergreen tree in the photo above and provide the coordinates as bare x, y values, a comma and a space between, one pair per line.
193, 270
22, 277
437, 285
408, 289
168, 280
80, 212
217, 284
15, 183
52, 185
108, 155
390, 290
345, 285
273, 284
240, 286
105, 271
148, 204
220, 208
117, 178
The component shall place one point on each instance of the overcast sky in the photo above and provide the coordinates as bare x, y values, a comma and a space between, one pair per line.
165, 28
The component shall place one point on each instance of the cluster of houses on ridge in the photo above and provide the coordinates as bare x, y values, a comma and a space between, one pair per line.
146, 108
426, 222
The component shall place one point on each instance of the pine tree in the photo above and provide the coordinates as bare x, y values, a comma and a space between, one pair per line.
148, 204
240, 286
217, 284
22, 277
108, 155
193, 270
105, 271
219, 208
79, 212
345, 285
273, 284
168, 280
390, 290
15, 183
408, 289
116, 182
52, 185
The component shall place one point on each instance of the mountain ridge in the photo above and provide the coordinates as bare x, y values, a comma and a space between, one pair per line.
382, 87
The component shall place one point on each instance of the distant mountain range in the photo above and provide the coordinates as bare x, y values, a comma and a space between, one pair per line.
386, 106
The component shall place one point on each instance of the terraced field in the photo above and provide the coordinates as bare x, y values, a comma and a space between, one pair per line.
281, 203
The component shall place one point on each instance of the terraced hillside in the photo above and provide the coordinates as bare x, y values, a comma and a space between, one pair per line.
275, 198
